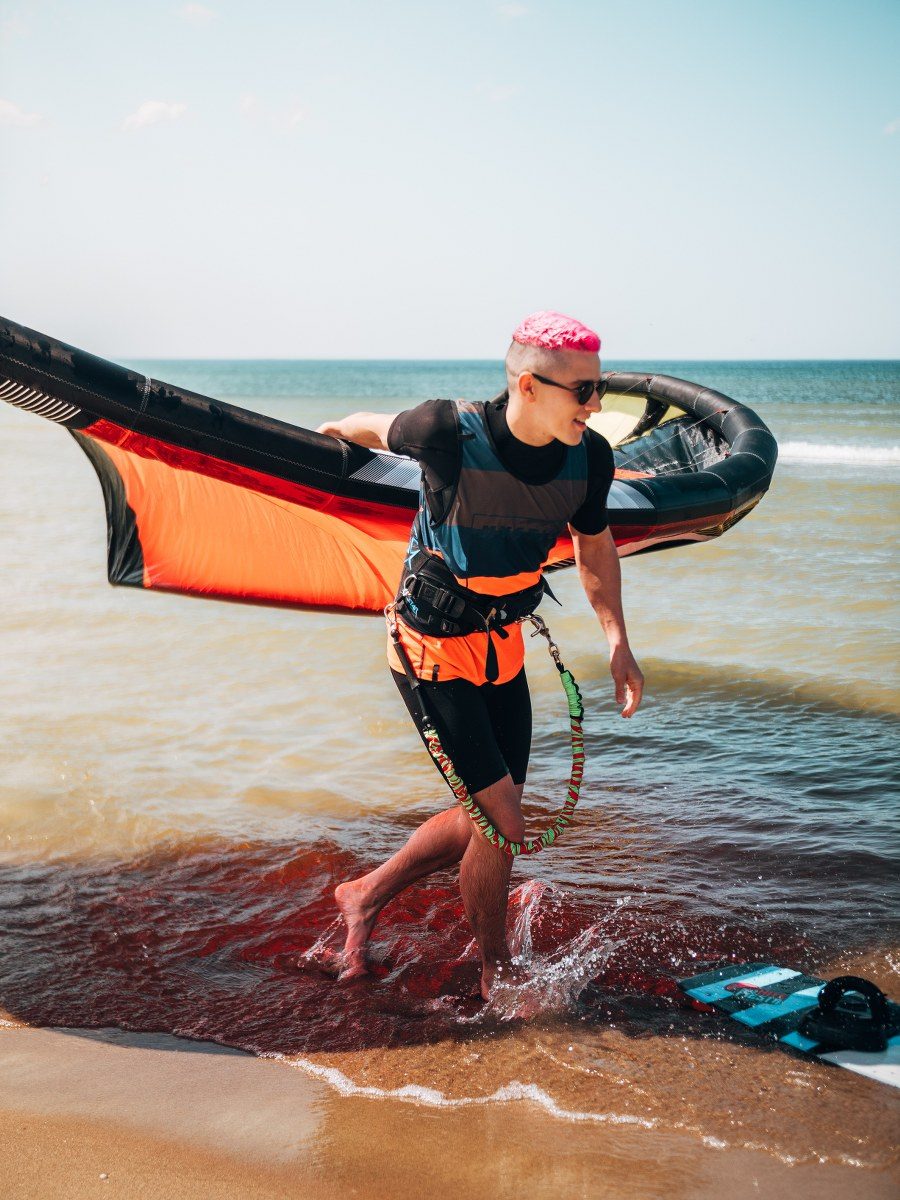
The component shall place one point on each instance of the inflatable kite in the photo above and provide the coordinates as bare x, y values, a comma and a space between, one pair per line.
209, 499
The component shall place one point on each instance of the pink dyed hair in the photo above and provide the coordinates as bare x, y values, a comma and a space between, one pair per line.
553, 331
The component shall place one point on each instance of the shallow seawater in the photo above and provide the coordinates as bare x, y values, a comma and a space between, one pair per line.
182, 783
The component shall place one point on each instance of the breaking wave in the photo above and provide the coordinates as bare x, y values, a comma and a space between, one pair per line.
834, 452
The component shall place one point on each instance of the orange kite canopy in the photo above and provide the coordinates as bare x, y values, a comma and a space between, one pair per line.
209, 499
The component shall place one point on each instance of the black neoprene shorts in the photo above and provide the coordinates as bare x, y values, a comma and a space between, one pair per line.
486, 730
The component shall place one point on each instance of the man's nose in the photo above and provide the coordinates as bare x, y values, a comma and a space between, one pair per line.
594, 405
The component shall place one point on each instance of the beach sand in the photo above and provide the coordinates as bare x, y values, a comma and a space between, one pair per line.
86, 1113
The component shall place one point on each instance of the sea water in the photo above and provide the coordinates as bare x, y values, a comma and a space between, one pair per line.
183, 782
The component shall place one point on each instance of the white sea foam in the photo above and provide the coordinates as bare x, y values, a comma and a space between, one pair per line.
835, 452
416, 1093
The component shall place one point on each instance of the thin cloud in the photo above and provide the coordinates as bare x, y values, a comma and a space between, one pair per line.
512, 10
893, 127
12, 114
197, 14
151, 112
257, 112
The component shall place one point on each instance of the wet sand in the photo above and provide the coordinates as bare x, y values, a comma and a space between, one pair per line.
86, 1113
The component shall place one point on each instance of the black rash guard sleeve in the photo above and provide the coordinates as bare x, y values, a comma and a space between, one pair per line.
429, 433
592, 517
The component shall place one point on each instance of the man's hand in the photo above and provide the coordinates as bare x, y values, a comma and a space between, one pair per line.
368, 429
628, 678
332, 428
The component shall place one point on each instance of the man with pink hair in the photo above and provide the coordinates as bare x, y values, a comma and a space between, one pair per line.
501, 480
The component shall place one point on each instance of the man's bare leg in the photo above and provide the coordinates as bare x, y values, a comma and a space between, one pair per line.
484, 878
439, 843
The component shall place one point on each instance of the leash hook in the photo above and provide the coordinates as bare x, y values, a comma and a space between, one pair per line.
540, 629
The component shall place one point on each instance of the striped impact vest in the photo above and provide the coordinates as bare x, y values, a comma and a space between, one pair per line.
494, 538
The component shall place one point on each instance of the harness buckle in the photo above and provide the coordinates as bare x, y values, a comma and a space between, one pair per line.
390, 616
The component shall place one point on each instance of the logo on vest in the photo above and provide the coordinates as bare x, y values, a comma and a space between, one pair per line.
492, 523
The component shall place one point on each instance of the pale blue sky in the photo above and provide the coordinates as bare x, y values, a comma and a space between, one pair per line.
378, 179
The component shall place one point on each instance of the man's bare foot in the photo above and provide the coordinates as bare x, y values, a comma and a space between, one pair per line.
509, 993
359, 918
353, 965
503, 974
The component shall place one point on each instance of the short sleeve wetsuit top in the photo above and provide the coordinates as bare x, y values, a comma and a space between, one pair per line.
474, 472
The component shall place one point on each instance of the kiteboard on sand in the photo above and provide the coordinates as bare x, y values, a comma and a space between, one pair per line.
847, 1021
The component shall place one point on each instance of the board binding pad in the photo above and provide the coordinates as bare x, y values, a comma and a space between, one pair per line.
775, 1001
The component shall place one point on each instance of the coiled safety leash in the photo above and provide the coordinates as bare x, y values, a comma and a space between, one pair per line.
458, 787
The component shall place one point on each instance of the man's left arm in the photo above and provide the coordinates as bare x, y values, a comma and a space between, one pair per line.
601, 577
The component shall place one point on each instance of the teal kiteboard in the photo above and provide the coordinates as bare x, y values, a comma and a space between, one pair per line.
847, 1021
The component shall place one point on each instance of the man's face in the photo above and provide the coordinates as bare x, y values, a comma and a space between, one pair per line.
559, 413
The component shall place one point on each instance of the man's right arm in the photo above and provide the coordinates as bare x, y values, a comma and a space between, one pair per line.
368, 429
429, 433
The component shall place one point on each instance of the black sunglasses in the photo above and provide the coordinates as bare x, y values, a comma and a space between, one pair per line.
583, 390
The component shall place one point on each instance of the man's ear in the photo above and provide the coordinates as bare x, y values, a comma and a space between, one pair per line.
526, 386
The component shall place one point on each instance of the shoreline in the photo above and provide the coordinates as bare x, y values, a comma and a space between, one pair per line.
149, 1114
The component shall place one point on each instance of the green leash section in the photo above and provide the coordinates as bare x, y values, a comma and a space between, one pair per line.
457, 786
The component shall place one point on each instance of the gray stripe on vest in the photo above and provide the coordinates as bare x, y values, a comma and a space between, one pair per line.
515, 504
